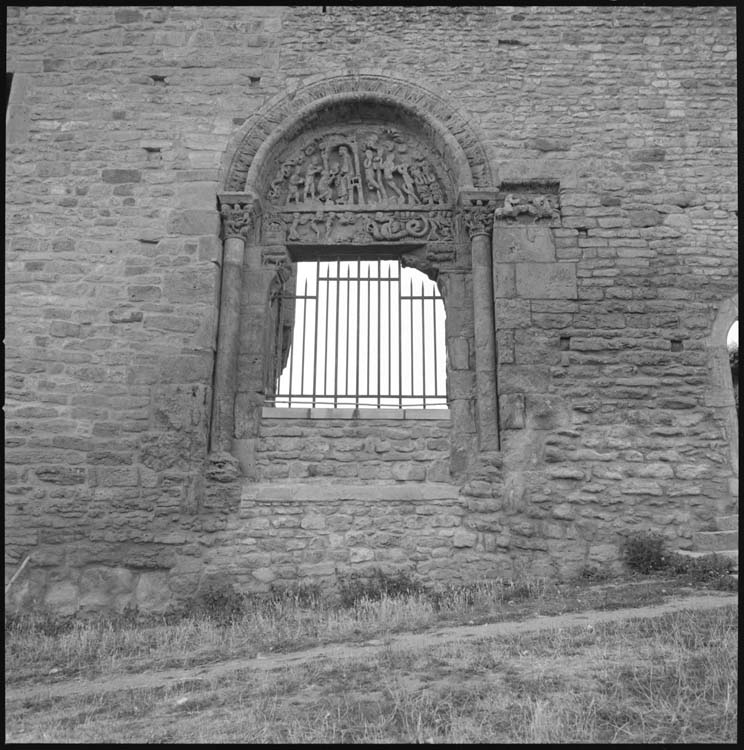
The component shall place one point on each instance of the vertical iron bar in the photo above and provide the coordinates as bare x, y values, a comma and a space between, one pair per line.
379, 301
315, 329
410, 318
302, 342
348, 323
359, 343
400, 338
279, 336
368, 270
436, 330
274, 375
291, 357
423, 343
390, 329
327, 316
338, 305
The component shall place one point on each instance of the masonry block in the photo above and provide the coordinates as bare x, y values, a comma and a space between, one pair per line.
546, 280
523, 243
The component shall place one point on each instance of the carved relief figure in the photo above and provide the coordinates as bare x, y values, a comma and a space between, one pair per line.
388, 168
345, 173
284, 172
292, 233
325, 191
538, 207
313, 169
378, 171
510, 207
296, 180
369, 172
544, 208
236, 220
408, 187
421, 184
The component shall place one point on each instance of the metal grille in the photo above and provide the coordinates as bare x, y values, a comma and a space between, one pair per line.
365, 334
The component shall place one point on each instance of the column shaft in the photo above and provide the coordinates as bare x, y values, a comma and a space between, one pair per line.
226, 365
485, 342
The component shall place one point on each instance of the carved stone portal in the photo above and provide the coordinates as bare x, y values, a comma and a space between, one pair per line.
360, 184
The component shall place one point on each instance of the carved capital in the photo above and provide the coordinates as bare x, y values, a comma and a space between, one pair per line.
237, 220
478, 220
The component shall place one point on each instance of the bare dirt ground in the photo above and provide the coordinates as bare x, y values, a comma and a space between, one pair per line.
370, 649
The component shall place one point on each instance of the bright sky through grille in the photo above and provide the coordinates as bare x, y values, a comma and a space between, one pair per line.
366, 334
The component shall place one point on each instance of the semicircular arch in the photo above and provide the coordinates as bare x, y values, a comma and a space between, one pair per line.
285, 117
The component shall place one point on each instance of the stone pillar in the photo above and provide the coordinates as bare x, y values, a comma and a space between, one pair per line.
237, 220
478, 221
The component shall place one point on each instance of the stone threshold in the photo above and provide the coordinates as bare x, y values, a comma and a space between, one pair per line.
275, 412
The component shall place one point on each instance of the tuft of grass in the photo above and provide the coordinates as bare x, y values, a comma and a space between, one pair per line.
374, 585
647, 553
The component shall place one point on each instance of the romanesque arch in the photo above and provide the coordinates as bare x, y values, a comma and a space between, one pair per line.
290, 113
373, 130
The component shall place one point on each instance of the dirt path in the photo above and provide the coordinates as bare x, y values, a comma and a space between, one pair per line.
409, 641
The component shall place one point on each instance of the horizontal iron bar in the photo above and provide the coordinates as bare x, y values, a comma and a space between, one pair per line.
359, 278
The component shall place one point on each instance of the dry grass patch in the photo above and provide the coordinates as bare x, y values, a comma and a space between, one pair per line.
666, 679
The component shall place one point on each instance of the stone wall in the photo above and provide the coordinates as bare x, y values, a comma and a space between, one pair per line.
344, 444
120, 125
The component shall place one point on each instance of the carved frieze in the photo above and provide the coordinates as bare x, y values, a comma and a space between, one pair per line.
528, 204
359, 227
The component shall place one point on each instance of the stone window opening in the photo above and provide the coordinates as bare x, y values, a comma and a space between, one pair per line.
8, 87
732, 345
722, 395
359, 333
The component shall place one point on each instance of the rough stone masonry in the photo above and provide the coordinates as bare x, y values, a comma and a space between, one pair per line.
567, 175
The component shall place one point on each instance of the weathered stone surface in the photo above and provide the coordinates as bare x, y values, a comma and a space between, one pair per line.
608, 307
117, 176
511, 411
546, 280
523, 243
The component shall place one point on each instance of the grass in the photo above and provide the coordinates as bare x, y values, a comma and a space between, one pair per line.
39, 643
43, 644
666, 679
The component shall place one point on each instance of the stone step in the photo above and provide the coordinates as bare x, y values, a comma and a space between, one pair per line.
714, 541
731, 554
727, 523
